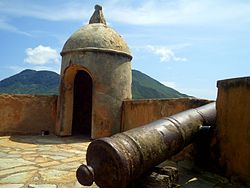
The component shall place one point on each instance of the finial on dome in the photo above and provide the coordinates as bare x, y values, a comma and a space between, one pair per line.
97, 16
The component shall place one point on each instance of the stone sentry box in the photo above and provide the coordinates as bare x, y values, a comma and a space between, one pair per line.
95, 78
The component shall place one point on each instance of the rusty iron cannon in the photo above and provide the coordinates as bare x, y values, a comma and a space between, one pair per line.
117, 160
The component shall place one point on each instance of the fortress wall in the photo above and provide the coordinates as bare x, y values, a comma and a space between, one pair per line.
27, 114
136, 113
233, 128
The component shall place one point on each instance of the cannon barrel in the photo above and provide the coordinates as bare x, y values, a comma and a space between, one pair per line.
117, 160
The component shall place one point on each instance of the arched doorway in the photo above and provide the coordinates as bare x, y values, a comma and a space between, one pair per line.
82, 104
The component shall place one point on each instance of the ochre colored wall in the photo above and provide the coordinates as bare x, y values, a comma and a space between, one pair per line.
27, 114
136, 113
112, 77
233, 127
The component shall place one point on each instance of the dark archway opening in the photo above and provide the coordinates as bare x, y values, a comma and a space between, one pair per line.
82, 109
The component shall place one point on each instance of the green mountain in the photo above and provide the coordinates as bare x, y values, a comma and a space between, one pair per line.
47, 82
31, 82
145, 87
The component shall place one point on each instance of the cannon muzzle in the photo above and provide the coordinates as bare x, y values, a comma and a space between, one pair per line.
117, 160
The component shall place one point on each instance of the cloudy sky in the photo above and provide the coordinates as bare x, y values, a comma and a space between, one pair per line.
184, 44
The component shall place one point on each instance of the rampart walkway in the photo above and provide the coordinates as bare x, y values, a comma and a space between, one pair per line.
40, 161
51, 162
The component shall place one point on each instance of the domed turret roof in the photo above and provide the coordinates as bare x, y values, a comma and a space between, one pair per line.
96, 36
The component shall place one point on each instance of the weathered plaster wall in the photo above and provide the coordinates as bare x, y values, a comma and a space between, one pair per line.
233, 127
136, 113
112, 77
27, 114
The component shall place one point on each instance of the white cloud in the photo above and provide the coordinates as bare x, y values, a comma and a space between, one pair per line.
52, 12
41, 55
170, 84
147, 12
203, 93
4, 25
13, 69
181, 12
54, 69
166, 54
17, 69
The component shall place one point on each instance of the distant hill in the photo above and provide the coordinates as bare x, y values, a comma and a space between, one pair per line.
31, 82
47, 82
145, 87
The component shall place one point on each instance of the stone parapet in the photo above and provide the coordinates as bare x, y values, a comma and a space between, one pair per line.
136, 113
27, 114
233, 127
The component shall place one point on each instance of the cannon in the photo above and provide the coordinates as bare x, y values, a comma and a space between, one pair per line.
117, 160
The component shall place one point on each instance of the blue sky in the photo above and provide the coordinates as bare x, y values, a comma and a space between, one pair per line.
184, 44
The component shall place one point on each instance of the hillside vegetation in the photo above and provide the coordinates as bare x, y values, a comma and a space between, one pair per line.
47, 83
144, 86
